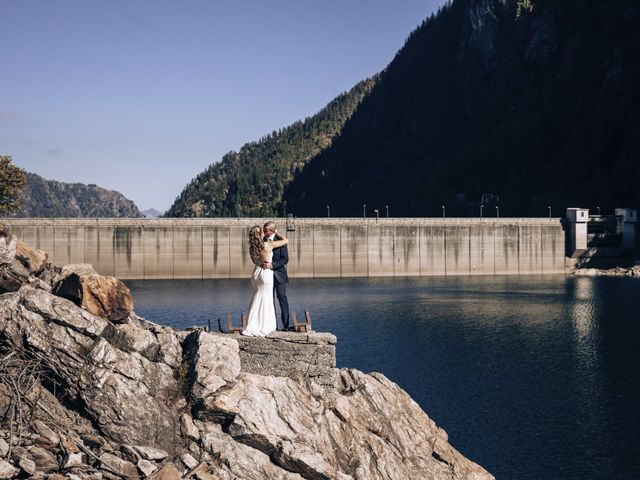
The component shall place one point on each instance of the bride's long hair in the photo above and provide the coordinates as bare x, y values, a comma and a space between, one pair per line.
256, 243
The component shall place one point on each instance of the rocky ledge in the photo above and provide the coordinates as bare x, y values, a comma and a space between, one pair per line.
609, 272
306, 357
89, 390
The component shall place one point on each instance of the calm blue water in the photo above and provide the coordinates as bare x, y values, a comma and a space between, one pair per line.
532, 377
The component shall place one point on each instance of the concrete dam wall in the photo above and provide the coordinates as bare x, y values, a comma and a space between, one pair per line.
321, 247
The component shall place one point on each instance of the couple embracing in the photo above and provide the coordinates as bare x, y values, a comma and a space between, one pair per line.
269, 253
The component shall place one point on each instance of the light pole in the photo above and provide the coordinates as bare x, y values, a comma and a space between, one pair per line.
387, 207
497, 211
377, 215
443, 212
328, 211
549, 207
598, 210
481, 207
364, 211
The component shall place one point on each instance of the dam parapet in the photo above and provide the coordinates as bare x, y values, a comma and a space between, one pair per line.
318, 247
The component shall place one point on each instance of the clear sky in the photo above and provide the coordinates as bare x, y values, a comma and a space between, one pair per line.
141, 95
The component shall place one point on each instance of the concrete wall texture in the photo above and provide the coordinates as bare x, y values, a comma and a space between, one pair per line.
319, 247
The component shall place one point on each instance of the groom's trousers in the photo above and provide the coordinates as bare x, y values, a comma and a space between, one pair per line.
280, 290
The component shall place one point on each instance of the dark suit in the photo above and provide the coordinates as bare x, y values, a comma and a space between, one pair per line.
280, 279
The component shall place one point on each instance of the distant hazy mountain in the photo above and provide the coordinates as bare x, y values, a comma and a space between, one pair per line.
151, 213
251, 182
534, 102
50, 198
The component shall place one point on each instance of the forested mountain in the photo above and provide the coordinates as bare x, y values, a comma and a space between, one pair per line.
50, 198
534, 101
251, 182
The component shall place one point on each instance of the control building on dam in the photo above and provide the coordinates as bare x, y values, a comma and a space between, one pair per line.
318, 247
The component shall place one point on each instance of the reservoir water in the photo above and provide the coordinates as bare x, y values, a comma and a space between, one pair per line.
532, 377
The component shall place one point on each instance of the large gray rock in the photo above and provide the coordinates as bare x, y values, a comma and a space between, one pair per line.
13, 274
58, 311
213, 363
239, 460
372, 429
51, 329
20, 264
170, 349
131, 338
127, 395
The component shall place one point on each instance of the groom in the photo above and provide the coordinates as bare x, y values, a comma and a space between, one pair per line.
280, 277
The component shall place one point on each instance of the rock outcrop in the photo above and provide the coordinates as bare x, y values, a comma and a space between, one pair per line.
20, 264
105, 296
609, 272
300, 356
86, 397
33, 259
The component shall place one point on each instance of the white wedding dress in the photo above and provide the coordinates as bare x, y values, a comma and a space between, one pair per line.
262, 312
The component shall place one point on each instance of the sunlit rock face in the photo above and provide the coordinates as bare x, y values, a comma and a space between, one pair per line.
101, 295
131, 398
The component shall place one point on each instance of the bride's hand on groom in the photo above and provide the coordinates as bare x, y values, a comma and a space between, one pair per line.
266, 265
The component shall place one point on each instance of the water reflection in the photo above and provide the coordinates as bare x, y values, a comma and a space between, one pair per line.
581, 310
533, 377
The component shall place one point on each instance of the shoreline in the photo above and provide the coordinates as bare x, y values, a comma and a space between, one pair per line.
609, 272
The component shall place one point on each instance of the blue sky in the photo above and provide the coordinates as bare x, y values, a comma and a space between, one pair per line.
141, 95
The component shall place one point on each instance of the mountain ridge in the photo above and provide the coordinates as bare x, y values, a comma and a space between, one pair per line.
251, 182
52, 198
532, 102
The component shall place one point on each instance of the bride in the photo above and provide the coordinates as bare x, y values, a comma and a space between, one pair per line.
262, 313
